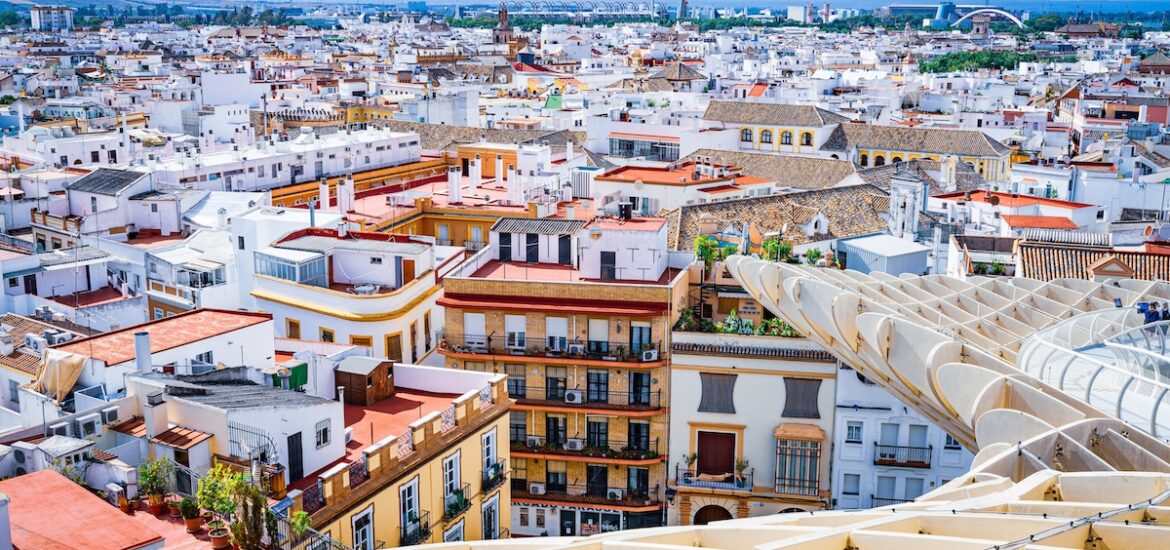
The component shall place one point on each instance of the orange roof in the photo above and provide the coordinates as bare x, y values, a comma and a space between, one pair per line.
758, 90
177, 437
680, 175
117, 347
1042, 222
49, 512
1009, 200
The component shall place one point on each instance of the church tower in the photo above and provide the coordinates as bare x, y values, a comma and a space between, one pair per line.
502, 33
906, 203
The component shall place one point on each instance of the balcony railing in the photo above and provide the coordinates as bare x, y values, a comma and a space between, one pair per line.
588, 494
554, 347
877, 502
474, 246
503, 534
589, 448
735, 481
494, 476
797, 486
633, 400
896, 455
457, 502
416, 530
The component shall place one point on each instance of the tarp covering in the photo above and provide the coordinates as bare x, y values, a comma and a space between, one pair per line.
58, 373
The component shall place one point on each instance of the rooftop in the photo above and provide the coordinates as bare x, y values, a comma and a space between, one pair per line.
117, 347
106, 181
520, 271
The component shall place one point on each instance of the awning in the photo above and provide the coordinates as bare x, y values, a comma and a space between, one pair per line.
203, 265
78, 263
23, 272
807, 432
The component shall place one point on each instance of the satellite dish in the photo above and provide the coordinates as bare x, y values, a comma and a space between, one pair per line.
1149, 230
994, 200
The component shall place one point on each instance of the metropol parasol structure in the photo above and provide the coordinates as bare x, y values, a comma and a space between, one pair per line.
1059, 387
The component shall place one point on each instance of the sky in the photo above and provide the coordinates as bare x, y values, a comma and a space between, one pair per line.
1035, 6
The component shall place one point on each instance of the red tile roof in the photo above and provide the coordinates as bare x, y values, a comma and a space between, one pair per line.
49, 512
1009, 200
117, 347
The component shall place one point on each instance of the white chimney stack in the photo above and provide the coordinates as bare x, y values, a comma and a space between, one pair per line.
454, 185
323, 196
568, 150
499, 170
342, 230
475, 173
221, 217
345, 195
514, 184
142, 352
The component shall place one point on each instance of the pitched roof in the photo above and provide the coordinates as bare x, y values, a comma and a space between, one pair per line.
540, 226
105, 181
785, 170
27, 363
1047, 261
850, 210
778, 114
678, 71
117, 347
966, 178
923, 140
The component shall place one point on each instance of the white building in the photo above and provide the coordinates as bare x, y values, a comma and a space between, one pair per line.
51, 18
885, 452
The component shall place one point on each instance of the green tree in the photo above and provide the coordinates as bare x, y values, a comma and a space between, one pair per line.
812, 256
706, 249
1047, 22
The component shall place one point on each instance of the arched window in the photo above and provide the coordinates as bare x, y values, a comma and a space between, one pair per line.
786, 138
806, 139
765, 136
865, 160
745, 135
896, 160
879, 161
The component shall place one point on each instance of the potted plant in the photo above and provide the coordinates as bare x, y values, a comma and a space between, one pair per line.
741, 465
190, 512
219, 535
299, 521
248, 528
690, 460
173, 508
135, 502
270, 528
215, 490
154, 477
124, 503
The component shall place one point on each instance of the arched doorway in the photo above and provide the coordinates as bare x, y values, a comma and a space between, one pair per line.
710, 513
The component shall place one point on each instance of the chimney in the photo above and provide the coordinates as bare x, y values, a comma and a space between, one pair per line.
345, 195
341, 394
342, 230
499, 170
323, 195
513, 184
154, 414
568, 150
142, 352
6, 345
454, 185
221, 218
475, 173
570, 212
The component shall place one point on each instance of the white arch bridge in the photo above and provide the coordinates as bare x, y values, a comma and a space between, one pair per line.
990, 11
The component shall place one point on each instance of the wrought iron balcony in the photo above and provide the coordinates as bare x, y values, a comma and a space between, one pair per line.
588, 494
416, 530
551, 347
897, 455
456, 502
494, 476
589, 447
645, 399
735, 481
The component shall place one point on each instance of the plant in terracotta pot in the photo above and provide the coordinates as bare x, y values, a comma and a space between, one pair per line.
220, 537
154, 478
190, 512
173, 508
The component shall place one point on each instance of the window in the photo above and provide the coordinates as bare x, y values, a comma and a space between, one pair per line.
95, 156
240, 242
427, 331
806, 139
952, 444
322, 432
853, 432
555, 379
766, 136
797, 466
597, 432
598, 386
13, 282
524, 517
864, 160
93, 204
517, 381
375, 260
154, 207
361, 341
515, 328
598, 335
556, 478
639, 434
913, 488
327, 335
207, 358
363, 530
785, 138
879, 161
851, 484
451, 474
488, 446
454, 534
517, 426
555, 428
14, 391
159, 313
292, 329
800, 399
557, 331
394, 347
718, 393
540, 518
745, 135
414, 343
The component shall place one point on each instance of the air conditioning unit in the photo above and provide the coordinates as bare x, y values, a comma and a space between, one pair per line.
114, 492
575, 397
536, 488
60, 428
88, 425
575, 445
649, 355
577, 349
35, 343
533, 441
54, 338
27, 457
109, 415
614, 494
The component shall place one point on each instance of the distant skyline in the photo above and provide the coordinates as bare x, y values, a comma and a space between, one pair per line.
1034, 6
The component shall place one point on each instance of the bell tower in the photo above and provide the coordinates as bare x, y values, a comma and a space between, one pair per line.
502, 33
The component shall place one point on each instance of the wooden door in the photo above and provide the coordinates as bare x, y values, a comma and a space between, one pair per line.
407, 271
716, 453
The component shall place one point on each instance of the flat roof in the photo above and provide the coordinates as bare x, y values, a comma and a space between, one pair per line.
117, 347
887, 245
48, 511
521, 271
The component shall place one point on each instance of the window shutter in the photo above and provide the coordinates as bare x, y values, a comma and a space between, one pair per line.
800, 399
718, 393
